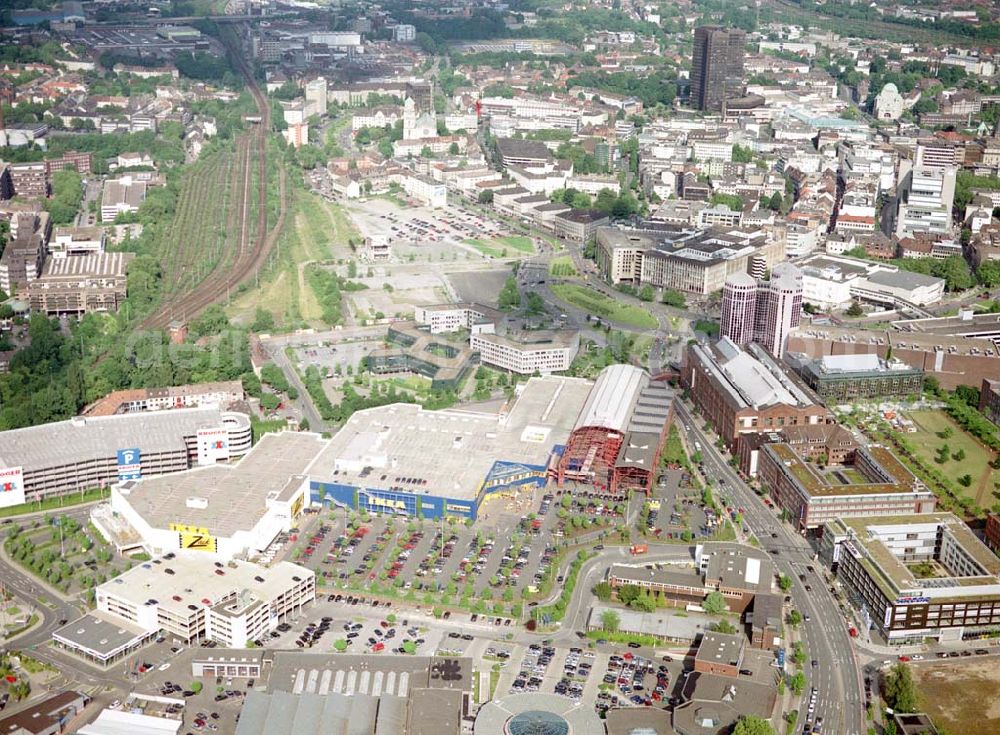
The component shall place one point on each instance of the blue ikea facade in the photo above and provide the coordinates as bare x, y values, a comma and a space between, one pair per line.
504, 477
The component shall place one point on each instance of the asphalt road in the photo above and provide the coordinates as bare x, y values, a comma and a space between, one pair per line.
837, 676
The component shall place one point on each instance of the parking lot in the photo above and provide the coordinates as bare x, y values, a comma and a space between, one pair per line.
418, 232
342, 354
607, 675
490, 569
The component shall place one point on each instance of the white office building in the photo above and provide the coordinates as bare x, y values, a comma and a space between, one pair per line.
542, 352
925, 201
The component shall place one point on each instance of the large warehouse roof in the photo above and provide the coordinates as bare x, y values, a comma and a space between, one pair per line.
609, 405
230, 498
87, 439
404, 447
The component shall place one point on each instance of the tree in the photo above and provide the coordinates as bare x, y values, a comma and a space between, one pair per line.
646, 293
742, 154
263, 321
486, 197
855, 310
988, 273
628, 592
714, 604
753, 725
900, 692
785, 582
510, 297
794, 617
797, 683
644, 602
603, 591
672, 297
724, 626
610, 621
731, 201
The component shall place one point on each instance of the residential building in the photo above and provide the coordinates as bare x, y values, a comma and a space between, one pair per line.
315, 96
814, 494
21, 261
766, 620
746, 392
916, 577
138, 400
79, 162
80, 284
717, 67
30, 180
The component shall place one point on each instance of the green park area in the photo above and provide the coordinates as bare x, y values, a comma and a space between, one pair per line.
502, 247
598, 304
943, 444
61, 551
562, 267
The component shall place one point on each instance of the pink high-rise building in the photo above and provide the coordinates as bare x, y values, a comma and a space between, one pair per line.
739, 308
763, 311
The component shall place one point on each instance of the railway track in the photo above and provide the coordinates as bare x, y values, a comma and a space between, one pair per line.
254, 243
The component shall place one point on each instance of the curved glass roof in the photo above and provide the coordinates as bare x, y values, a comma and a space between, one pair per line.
537, 722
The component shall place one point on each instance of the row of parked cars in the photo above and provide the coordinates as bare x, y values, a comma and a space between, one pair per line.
576, 671
638, 682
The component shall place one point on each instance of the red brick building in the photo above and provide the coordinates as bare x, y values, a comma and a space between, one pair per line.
747, 392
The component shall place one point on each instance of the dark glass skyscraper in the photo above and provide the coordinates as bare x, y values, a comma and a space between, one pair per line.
717, 67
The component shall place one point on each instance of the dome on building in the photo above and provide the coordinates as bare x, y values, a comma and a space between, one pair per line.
537, 722
536, 713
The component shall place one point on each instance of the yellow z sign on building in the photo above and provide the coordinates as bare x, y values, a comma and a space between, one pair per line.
195, 538
198, 542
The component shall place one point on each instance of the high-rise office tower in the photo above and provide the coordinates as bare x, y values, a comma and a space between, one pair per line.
763, 311
739, 308
779, 307
717, 66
